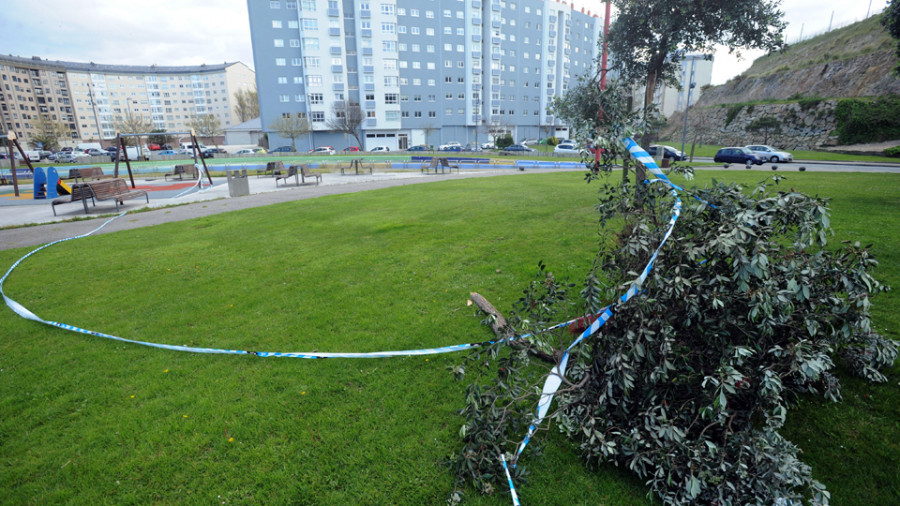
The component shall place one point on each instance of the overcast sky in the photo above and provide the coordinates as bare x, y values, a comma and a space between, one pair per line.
191, 32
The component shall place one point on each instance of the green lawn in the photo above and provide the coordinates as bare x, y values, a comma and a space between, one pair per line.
86, 420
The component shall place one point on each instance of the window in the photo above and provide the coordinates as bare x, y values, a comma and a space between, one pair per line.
294, 24
314, 81
414, 13
284, 98
387, 9
316, 99
276, 23
447, 13
281, 80
389, 46
317, 117
388, 28
308, 24
295, 62
279, 42
414, 30
429, 14
274, 4
429, 32
432, 114
391, 81
281, 62
311, 61
295, 43
308, 5
391, 98
310, 43
417, 114
392, 115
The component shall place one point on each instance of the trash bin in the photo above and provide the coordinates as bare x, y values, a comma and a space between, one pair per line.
238, 185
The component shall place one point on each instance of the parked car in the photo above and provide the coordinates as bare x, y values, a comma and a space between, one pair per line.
380, 149
67, 157
472, 146
153, 146
418, 148
165, 152
351, 149
97, 152
322, 150
443, 147
260, 151
668, 153
451, 148
282, 149
566, 148
771, 154
517, 148
488, 145
245, 151
737, 155
527, 142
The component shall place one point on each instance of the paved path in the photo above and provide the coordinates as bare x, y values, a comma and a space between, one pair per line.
212, 201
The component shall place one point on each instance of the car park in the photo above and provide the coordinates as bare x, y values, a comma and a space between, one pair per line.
566, 148
669, 153
517, 148
380, 149
737, 155
282, 149
351, 149
768, 153
417, 148
322, 150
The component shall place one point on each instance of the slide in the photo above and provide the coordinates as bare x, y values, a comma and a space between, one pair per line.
63, 188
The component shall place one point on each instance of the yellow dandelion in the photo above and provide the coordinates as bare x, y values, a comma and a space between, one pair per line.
132, 397
302, 393
166, 370
426, 360
231, 440
184, 416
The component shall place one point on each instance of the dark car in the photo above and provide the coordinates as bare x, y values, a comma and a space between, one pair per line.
518, 148
737, 155
668, 152
452, 148
282, 149
418, 148
351, 149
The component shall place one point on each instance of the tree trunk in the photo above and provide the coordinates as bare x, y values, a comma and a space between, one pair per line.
503, 331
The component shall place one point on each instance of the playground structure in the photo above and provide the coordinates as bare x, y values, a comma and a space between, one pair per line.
13, 141
120, 144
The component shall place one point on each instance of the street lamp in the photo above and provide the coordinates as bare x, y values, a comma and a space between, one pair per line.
692, 84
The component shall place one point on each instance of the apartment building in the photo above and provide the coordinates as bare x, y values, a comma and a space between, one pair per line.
422, 72
90, 98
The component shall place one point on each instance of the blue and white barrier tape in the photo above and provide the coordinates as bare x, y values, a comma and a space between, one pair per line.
557, 374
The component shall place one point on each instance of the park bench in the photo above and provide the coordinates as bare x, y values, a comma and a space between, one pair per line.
299, 173
116, 190
356, 165
188, 169
80, 192
439, 163
272, 169
86, 173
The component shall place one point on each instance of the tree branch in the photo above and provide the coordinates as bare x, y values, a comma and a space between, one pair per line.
503, 331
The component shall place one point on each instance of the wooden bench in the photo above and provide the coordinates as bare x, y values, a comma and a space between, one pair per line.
85, 173
299, 173
441, 164
188, 169
80, 192
356, 166
272, 169
116, 190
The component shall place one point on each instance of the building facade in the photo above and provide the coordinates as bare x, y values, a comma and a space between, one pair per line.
422, 72
696, 68
89, 99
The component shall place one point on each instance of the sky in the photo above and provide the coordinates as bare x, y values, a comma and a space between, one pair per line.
191, 32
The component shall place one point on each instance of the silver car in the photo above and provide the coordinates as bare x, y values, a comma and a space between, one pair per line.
770, 154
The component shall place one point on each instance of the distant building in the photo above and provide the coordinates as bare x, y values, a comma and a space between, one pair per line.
247, 133
421, 73
89, 98
671, 99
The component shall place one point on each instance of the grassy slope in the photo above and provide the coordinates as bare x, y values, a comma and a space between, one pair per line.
90, 420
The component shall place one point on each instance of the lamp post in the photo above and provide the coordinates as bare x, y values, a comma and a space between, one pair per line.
691, 85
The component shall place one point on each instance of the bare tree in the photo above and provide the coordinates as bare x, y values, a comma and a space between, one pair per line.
48, 132
347, 118
206, 126
291, 126
496, 128
133, 124
246, 104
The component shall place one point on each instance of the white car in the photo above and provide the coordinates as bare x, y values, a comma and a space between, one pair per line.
770, 154
444, 147
380, 149
488, 145
566, 148
245, 151
322, 150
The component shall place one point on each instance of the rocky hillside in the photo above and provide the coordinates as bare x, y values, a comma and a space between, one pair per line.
854, 61
798, 88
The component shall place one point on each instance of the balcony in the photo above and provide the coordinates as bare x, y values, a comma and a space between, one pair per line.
367, 51
476, 21
337, 86
336, 50
495, 56
476, 38
337, 69
334, 32
496, 40
365, 33
552, 33
476, 54
365, 14
496, 24
476, 4
495, 72
370, 105
371, 122
335, 13
369, 87
368, 69
495, 7
476, 72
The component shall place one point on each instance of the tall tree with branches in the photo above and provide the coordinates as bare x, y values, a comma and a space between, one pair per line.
291, 126
347, 118
49, 132
650, 38
132, 123
206, 126
246, 104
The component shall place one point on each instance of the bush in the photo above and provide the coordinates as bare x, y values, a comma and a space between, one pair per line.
689, 382
894, 152
552, 141
861, 121
504, 141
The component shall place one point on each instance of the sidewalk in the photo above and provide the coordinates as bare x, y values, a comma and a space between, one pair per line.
17, 212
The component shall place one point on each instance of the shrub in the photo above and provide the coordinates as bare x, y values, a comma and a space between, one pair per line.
867, 121
894, 152
504, 141
732, 113
552, 141
688, 383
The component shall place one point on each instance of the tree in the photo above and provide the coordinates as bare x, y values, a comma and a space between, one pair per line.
290, 127
890, 18
159, 137
206, 126
648, 39
133, 124
766, 124
700, 126
347, 117
689, 381
496, 128
48, 133
246, 104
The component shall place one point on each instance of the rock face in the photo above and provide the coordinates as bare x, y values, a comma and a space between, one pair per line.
804, 125
864, 76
